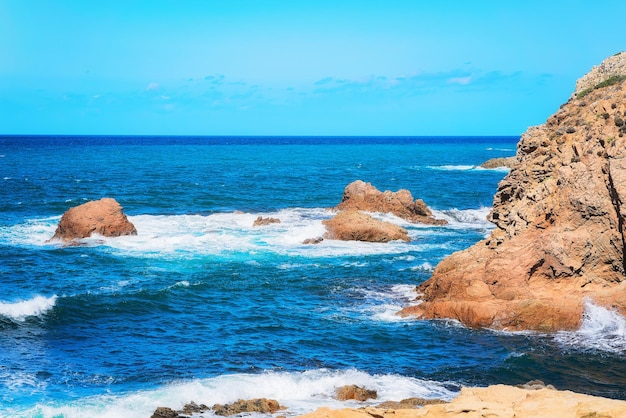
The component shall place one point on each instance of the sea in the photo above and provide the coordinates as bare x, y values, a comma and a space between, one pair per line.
202, 306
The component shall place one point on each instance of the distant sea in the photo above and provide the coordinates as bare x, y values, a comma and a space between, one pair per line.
202, 306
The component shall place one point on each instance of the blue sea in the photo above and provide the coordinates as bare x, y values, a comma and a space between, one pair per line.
202, 306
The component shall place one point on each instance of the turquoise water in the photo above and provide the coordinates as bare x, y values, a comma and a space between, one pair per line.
202, 306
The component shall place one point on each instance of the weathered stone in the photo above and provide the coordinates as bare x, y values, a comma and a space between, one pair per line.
359, 195
261, 221
508, 162
313, 241
352, 225
165, 412
410, 403
260, 405
104, 217
354, 392
559, 236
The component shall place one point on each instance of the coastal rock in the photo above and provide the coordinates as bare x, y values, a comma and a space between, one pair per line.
496, 401
560, 228
359, 195
261, 221
165, 412
508, 162
354, 392
259, 405
104, 217
352, 225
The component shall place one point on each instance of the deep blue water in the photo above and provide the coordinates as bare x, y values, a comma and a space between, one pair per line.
202, 306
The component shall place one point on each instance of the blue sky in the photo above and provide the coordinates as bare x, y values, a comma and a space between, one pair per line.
322, 67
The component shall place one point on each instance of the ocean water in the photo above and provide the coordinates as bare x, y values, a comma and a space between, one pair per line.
202, 306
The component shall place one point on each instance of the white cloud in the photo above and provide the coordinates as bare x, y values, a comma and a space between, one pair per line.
153, 86
460, 80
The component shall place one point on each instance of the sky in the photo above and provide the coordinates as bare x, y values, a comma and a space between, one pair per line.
269, 67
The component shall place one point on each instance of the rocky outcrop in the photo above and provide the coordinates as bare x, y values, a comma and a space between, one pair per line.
559, 238
359, 195
614, 66
352, 225
104, 217
507, 162
261, 221
497, 401
354, 392
259, 405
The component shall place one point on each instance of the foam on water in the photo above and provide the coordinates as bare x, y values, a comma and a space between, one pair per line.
20, 310
602, 330
466, 218
382, 305
300, 392
216, 234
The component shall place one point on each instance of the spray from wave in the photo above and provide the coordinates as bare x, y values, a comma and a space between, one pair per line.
300, 392
601, 330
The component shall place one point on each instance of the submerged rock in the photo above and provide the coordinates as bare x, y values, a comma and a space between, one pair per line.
560, 228
359, 195
352, 225
104, 217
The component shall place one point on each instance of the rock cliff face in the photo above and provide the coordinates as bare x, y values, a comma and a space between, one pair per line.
560, 218
104, 217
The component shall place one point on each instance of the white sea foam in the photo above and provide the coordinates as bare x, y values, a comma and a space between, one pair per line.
602, 329
300, 392
383, 305
465, 218
20, 310
452, 167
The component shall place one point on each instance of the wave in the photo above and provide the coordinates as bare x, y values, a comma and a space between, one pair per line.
465, 167
465, 218
20, 310
300, 392
601, 330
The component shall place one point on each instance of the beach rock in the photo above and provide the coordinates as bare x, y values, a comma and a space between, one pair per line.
261, 221
496, 401
410, 403
560, 229
260, 405
359, 195
104, 217
508, 162
354, 392
352, 225
165, 412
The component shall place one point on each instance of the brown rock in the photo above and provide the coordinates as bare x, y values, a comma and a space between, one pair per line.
261, 221
410, 403
508, 162
260, 405
104, 217
164, 412
352, 225
359, 195
559, 236
354, 392
313, 241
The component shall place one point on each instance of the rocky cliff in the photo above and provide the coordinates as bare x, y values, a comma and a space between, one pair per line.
560, 218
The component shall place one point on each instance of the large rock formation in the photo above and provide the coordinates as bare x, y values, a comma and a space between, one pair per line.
104, 217
559, 216
359, 195
352, 225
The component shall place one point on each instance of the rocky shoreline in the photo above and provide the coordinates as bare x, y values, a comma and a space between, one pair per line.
531, 400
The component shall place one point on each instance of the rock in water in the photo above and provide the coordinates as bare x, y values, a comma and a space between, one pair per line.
560, 218
104, 217
354, 392
259, 405
352, 225
359, 195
